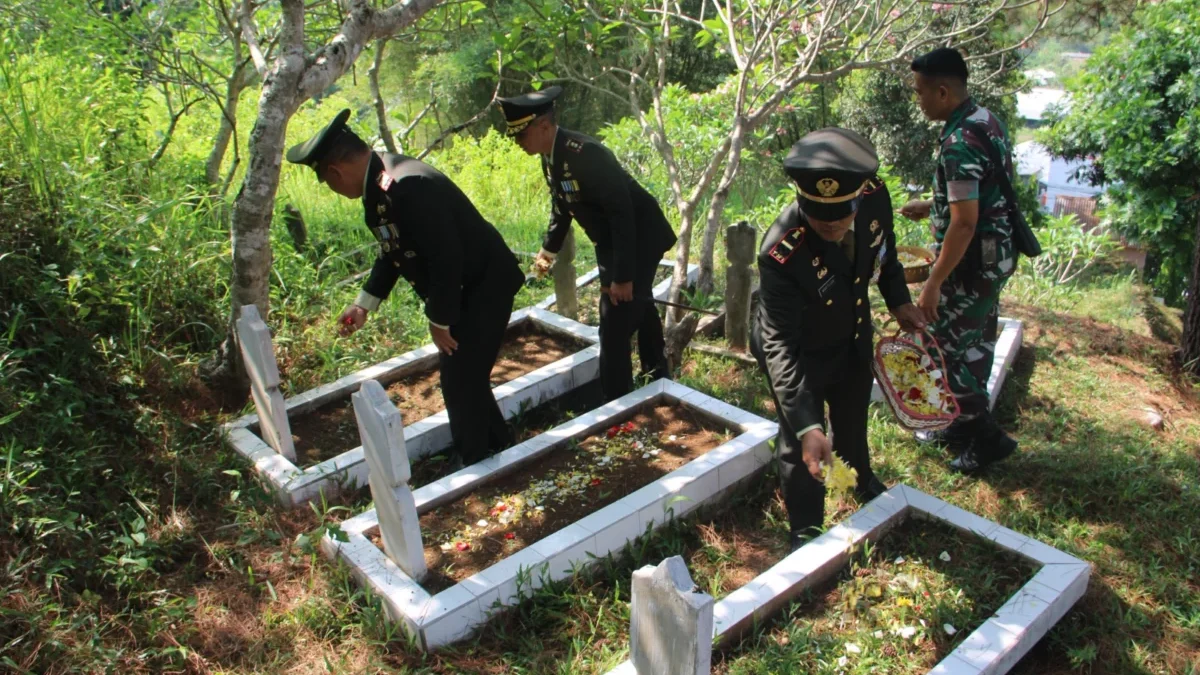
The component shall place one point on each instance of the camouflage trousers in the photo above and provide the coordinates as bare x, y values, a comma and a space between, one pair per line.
966, 331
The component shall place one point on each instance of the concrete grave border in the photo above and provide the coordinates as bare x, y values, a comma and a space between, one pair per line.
993, 648
662, 290
294, 486
456, 612
1008, 344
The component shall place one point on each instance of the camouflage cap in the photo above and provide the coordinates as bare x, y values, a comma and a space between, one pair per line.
830, 168
520, 111
311, 151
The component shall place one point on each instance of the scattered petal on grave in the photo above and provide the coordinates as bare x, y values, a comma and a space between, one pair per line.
878, 634
906, 632
645, 455
899, 560
950, 630
671, 437
447, 546
842, 661
509, 535
462, 546
482, 523
944, 557
852, 648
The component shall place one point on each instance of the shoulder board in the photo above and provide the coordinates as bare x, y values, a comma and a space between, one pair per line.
385, 180
786, 246
872, 185
574, 145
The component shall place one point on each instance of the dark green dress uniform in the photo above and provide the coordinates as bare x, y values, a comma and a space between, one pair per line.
431, 234
812, 333
627, 227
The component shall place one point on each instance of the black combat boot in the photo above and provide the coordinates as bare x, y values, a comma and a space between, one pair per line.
869, 489
986, 445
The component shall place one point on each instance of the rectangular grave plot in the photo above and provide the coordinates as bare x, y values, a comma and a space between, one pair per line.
543, 355
588, 290
595, 507
1058, 581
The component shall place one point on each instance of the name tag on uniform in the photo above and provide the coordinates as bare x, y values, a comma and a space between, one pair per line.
826, 288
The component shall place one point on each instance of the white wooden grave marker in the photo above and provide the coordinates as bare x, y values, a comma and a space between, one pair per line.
671, 625
382, 433
259, 355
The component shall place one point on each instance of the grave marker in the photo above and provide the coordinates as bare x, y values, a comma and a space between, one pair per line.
740, 249
259, 354
382, 433
671, 625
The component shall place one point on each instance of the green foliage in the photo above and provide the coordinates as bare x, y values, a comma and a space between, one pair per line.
1068, 252
879, 103
1135, 109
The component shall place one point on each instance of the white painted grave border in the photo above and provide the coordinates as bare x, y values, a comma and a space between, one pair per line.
992, 649
1008, 344
662, 290
294, 486
457, 611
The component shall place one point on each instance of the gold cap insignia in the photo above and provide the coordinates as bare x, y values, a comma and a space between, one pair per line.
828, 187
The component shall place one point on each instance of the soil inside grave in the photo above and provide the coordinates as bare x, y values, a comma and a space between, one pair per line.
905, 602
589, 298
694, 435
330, 430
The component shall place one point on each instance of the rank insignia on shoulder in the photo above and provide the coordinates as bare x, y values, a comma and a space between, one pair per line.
385, 180
874, 225
786, 246
410, 254
381, 208
872, 185
822, 272
574, 145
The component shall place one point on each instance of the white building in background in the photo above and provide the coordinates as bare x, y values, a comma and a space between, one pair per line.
1032, 104
1056, 176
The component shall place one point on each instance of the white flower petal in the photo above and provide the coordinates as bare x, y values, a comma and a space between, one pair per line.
905, 632
853, 648
539, 507
482, 523
878, 634
944, 557
645, 455
842, 661
899, 560
671, 437
446, 547
923, 625
950, 630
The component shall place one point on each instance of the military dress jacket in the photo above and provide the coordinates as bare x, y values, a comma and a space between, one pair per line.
621, 218
431, 234
814, 314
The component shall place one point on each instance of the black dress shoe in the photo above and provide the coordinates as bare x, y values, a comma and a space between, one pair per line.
988, 445
871, 490
798, 538
935, 437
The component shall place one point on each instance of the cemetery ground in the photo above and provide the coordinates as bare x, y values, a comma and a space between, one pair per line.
217, 578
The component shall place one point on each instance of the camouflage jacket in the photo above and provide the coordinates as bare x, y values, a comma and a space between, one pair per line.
965, 172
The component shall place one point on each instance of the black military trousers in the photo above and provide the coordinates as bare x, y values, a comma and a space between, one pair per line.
617, 326
477, 426
848, 395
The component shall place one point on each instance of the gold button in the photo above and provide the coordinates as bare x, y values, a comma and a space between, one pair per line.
860, 319
857, 279
829, 302
859, 301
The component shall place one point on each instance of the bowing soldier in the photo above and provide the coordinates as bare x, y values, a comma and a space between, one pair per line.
431, 234
812, 333
625, 223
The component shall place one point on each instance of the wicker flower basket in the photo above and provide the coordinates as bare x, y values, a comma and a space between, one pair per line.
917, 273
908, 417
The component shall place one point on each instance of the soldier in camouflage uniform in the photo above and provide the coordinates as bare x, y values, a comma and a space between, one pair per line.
974, 248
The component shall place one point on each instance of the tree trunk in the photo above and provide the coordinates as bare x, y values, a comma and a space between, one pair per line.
253, 207
385, 132
233, 93
1191, 319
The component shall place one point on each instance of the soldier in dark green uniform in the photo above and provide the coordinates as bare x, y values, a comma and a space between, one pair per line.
975, 254
812, 334
625, 223
430, 233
